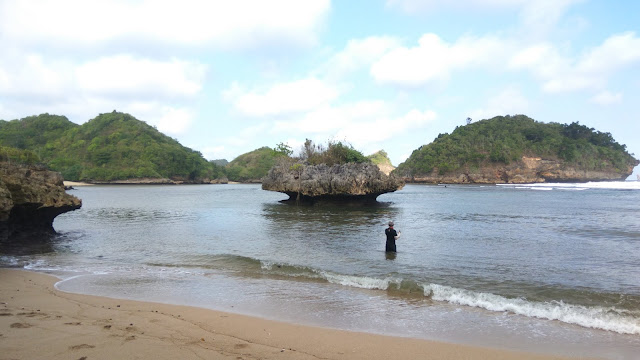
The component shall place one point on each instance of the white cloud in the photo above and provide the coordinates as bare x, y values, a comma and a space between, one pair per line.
31, 74
151, 89
561, 73
510, 101
125, 75
433, 60
238, 23
539, 14
365, 124
370, 135
215, 153
281, 99
422, 6
607, 98
167, 119
328, 120
615, 52
359, 53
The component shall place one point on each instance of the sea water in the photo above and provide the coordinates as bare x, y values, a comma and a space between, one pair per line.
549, 268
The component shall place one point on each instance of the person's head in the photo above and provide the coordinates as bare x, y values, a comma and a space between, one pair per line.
390, 223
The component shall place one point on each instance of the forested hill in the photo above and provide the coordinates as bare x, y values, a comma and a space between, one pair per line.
519, 149
112, 146
252, 166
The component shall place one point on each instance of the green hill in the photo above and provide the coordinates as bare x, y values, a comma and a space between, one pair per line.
252, 166
112, 146
505, 140
33, 132
381, 158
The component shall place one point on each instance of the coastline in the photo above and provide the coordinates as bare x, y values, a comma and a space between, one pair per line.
39, 321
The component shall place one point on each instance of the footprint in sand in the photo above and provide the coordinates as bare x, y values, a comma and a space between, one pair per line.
81, 346
20, 325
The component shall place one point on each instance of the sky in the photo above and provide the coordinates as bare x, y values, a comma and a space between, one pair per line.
227, 77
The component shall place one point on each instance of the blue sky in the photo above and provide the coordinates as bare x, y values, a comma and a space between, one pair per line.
227, 77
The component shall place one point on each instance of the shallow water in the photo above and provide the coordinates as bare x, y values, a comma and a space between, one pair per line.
505, 266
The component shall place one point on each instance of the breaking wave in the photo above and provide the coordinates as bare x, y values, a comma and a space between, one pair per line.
605, 318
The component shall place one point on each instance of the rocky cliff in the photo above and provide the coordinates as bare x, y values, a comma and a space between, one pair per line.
344, 182
527, 170
30, 198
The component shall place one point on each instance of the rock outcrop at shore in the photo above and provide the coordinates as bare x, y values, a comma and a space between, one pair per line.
30, 198
344, 182
527, 170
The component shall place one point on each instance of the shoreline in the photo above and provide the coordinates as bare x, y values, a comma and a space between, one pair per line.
39, 321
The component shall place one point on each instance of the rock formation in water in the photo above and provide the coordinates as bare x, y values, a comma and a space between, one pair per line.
518, 149
528, 170
30, 198
343, 182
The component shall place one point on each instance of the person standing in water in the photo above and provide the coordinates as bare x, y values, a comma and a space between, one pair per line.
392, 236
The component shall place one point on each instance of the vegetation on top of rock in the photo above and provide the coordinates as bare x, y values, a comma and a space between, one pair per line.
112, 146
10, 154
334, 153
506, 139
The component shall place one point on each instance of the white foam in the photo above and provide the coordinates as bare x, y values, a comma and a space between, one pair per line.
10, 261
614, 185
609, 319
363, 282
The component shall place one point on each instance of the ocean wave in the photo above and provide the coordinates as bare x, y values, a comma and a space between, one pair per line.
363, 282
609, 185
597, 317
610, 319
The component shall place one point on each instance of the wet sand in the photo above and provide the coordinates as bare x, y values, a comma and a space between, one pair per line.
39, 322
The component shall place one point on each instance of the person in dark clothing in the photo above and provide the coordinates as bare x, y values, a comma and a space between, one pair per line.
392, 236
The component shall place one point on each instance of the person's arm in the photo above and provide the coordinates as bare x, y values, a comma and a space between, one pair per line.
397, 235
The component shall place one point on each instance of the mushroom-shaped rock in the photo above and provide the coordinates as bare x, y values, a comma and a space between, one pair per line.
341, 182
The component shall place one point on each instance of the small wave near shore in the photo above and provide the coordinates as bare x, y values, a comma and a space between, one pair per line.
615, 319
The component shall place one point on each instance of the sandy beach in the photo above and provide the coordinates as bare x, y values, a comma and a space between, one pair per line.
39, 322
75, 183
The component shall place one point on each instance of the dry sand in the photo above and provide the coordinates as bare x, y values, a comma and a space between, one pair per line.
39, 322
75, 183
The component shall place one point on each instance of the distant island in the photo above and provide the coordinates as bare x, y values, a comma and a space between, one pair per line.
117, 148
109, 148
518, 149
